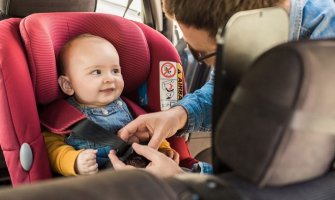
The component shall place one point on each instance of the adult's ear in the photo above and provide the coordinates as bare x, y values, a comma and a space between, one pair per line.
65, 85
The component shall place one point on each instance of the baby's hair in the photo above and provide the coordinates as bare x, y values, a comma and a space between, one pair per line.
67, 45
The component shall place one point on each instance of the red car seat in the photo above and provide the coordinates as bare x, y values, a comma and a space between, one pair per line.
141, 49
19, 118
18, 8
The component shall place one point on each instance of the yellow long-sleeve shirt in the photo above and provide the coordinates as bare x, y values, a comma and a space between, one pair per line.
62, 157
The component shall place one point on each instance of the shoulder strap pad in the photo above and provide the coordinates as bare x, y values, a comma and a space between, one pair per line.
59, 116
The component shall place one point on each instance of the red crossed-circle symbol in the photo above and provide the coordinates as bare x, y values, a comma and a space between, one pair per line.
168, 70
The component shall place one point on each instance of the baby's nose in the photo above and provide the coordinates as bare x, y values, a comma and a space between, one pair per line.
108, 79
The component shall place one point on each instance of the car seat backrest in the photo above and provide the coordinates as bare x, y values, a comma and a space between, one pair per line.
279, 125
19, 8
45, 34
22, 131
140, 49
19, 118
28, 51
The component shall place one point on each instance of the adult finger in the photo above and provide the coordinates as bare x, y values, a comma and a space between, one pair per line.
133, 139
140, 137
124, 133
129, 130
146, 151
156, 140
116, 162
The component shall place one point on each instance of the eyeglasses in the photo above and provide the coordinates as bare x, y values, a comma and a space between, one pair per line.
200, 56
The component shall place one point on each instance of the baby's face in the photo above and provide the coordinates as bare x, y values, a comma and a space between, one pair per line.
93, 69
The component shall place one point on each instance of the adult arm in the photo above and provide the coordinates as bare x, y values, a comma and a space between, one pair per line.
192, 113
198, 106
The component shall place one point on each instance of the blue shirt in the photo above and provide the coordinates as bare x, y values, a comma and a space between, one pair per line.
112, 117
313, 19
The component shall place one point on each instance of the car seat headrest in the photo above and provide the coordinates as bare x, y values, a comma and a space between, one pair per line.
279, 125
45, 34
19, 8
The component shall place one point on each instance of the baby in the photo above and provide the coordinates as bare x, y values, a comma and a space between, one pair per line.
90, 74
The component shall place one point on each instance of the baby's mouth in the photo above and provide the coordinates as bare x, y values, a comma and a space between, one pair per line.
107, 90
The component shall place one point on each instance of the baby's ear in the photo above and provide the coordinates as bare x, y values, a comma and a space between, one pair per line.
65, 85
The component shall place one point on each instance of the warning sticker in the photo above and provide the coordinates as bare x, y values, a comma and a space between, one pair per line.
180, 81
171, 83
168, 69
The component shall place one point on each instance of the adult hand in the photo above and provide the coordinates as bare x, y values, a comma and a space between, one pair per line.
160, 165
86, 162
157, 126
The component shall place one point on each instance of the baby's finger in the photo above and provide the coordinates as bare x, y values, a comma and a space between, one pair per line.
176, 157
90, 156
92, 169
169, 153
91, 151
91, 162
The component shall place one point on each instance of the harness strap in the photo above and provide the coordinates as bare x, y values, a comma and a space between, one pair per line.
89, 130
69, 119
59, 116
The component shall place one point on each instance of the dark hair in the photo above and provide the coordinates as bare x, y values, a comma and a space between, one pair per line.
210, 14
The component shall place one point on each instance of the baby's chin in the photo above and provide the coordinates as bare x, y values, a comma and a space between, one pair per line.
98, 105
95, 104
103, 101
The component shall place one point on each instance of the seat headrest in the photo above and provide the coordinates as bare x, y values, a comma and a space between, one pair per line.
279, 125
45, 34
19, 8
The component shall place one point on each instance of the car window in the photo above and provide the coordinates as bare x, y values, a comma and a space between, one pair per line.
117, 7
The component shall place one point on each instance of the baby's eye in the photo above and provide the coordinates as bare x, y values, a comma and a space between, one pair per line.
115, 71
96, 72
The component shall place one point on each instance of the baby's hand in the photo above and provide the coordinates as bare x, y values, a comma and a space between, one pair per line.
171, 153
86, 162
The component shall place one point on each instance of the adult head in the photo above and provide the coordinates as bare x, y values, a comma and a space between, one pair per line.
199, 20
90, 70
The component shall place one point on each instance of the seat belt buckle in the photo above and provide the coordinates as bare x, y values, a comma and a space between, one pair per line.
130, 157
123, 155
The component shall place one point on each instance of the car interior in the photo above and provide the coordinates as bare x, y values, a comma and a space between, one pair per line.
273, 138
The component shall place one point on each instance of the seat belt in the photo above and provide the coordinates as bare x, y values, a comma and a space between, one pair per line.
92, 132
89, 130
70, 119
